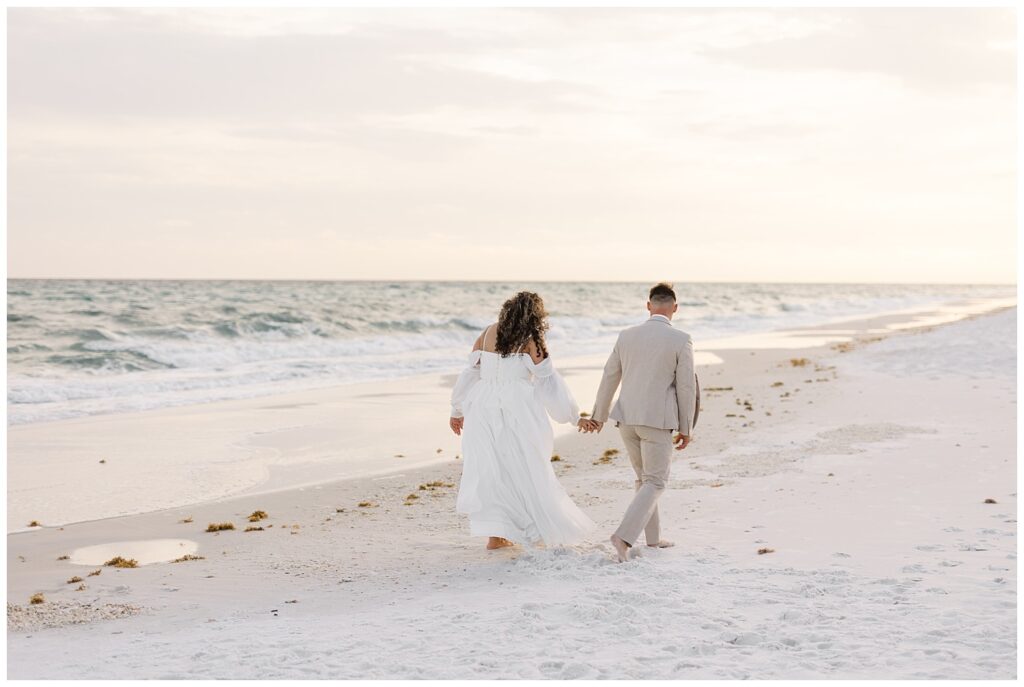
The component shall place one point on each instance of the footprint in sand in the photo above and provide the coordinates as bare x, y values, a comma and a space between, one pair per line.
700, 650
566, 671
551, 668
742, 639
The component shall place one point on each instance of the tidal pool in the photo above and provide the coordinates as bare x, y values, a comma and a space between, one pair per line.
145, 551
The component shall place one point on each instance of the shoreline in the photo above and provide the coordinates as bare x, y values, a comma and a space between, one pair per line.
306, 440
363, 576
268, 339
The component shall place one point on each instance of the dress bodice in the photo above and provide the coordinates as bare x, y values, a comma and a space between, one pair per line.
491, 380
497, 368
508, 487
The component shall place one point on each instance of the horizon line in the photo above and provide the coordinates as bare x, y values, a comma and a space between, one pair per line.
502, 281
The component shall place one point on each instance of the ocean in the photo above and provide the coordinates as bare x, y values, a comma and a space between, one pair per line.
83, 347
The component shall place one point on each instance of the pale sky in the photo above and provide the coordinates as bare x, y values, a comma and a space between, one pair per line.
527, 144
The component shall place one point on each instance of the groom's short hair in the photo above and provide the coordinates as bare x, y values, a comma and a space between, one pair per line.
662, 293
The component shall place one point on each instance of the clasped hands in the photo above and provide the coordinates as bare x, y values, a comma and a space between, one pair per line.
584, 424
587, 426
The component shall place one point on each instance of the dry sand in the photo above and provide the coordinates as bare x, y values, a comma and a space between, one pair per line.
865, 471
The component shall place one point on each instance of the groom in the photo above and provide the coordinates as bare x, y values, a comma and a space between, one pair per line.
654, 363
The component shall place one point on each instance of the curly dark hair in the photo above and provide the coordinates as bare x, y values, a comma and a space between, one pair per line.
522, 319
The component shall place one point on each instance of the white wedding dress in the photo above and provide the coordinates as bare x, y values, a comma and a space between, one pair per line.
509, 488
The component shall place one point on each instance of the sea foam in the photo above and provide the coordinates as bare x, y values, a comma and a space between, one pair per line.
84, 347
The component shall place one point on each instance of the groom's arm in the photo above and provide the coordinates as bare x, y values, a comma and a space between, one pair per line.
609, 383
686, 388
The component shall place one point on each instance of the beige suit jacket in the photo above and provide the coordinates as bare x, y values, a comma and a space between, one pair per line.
654, 363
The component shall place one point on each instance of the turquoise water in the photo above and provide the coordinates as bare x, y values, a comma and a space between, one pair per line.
84, 347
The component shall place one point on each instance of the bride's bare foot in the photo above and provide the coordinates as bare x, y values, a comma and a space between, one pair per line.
662, 544
621, 548
498, 543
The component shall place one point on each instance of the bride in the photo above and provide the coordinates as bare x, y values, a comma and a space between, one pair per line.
500, 407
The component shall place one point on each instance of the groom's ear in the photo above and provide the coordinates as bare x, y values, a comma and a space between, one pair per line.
675, 308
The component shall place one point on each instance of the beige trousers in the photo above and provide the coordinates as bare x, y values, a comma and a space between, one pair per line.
650, 452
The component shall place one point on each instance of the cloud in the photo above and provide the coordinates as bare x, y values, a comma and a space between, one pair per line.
923, 48
746, 131
231, 133
149, 66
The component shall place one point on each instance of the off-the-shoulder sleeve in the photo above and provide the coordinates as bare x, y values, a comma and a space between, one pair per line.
468, 378
552, 391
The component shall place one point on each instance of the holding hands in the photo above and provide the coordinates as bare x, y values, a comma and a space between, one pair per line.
589, 426
585, 425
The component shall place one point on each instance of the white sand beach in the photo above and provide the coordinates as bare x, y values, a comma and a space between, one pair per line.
249, 250
860, 454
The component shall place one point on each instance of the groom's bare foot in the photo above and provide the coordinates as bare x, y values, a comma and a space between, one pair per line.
621, 548
498, 543
662, 544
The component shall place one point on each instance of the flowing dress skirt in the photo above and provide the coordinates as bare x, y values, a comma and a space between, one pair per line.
509, 488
